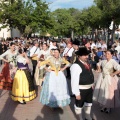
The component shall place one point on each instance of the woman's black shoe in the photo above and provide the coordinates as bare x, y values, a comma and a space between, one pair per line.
92, 119
103, 109
72, 95
108, 110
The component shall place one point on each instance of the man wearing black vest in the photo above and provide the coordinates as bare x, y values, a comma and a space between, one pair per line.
82, 80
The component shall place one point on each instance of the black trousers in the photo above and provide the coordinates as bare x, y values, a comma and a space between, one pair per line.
1, 62
34, 62
68, 72
86, 97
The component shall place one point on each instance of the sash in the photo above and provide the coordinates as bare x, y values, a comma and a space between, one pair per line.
67, 57
35, 57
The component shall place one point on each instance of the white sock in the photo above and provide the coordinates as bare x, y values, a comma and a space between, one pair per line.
79, 112
21, 101
87, 110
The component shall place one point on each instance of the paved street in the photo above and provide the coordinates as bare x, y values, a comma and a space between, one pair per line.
34, 110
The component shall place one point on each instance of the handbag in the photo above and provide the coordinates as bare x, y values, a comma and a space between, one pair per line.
41, 58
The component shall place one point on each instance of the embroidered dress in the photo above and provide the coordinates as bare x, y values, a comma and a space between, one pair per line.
55, 90
8, 71
107, 88
23, 86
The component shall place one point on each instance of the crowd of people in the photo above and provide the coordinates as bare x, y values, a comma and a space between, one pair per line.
54, 62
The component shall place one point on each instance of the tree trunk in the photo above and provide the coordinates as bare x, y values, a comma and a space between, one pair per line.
82, 34
92, 33
29, 35
96, 34
11, 32
104, 34
113, 32
72, 34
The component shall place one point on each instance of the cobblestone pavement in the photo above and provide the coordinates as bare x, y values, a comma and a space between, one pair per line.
34, 110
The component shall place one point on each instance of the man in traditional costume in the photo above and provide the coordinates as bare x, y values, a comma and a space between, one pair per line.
34, 52
67, 54
82, 80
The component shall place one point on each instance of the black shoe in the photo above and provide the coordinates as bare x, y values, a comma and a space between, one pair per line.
103, 109
72, 95
92, 119
108, 110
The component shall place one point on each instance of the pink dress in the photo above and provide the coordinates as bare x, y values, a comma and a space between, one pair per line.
107, 89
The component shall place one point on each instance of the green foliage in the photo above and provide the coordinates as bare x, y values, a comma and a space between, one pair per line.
67, 20
110, 10
20, 14
94, 16
32, 16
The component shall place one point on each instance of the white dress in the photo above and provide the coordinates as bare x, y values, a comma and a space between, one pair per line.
107, 88
55, 90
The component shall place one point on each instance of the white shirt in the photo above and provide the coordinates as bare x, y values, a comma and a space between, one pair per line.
98, 45
68, 51
21, 59
93, 45
118, 49
52, 47
9, 55
75, 70
63, 45
34, 51
45, 53
104, 46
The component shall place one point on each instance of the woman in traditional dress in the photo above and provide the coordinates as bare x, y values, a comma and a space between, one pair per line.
39, 72
55, 90
23, 87
9, 68
107, 86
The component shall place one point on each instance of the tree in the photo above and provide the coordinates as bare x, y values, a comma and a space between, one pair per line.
40, 19
21, 14
82, 20
110, 10
75, 26
94, 18
62, 22
66, 22
13, 15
